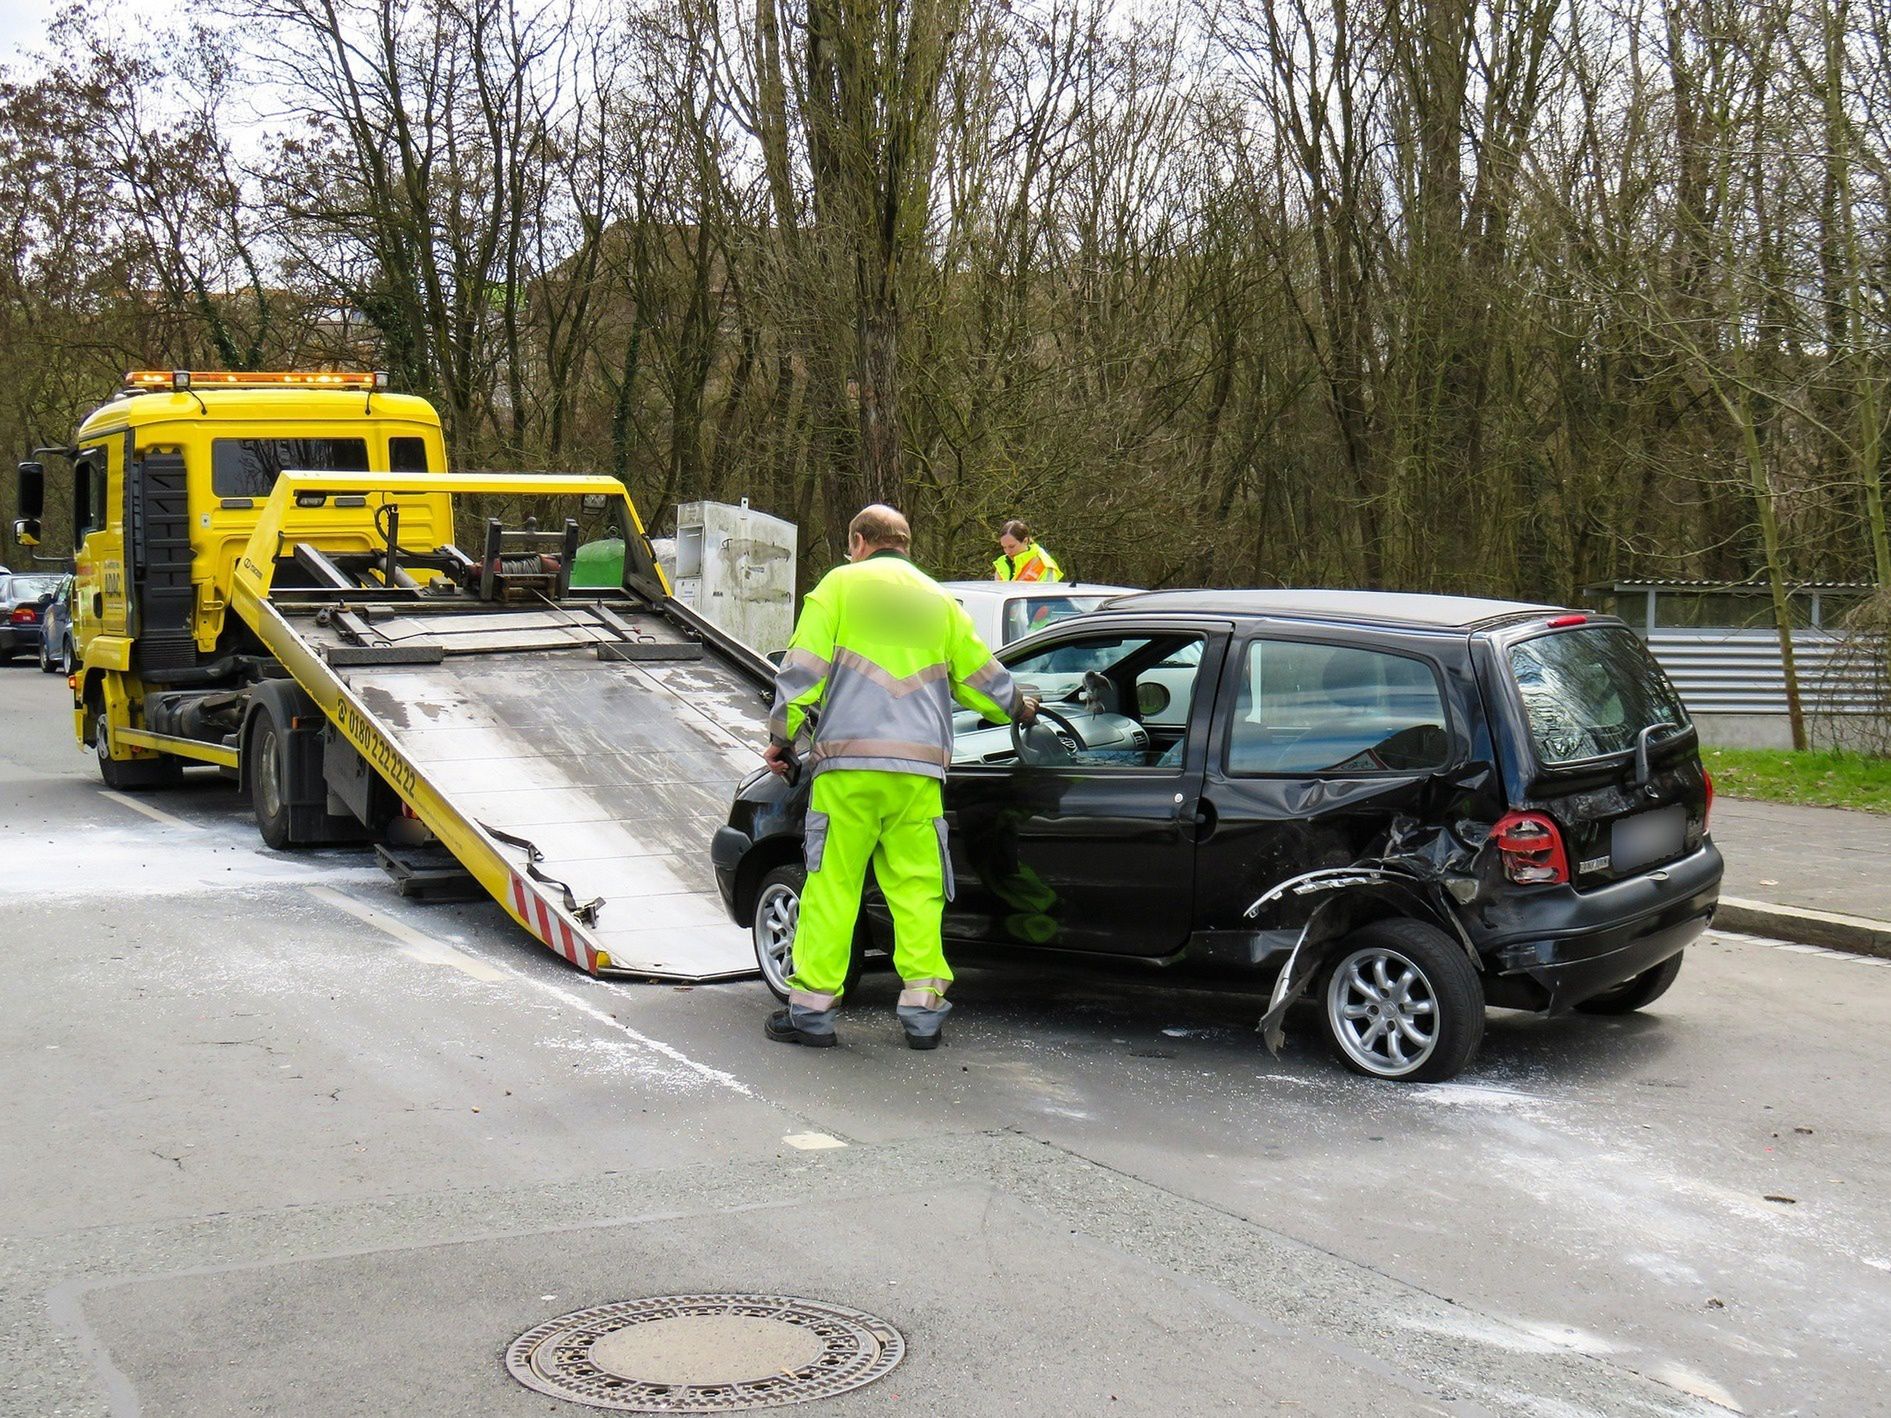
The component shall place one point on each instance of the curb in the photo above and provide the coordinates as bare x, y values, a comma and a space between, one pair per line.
1804, 926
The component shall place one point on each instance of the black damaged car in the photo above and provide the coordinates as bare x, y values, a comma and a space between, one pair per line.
1409, 807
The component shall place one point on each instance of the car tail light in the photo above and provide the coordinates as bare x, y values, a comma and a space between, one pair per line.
1532, 848
1558, 622
24, 615
1707, 808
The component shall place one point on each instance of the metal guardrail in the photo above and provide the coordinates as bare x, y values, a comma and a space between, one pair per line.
1739, 672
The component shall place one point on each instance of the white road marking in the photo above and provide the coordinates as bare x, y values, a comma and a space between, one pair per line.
484, 969
155, 814
812, 1141
416, 946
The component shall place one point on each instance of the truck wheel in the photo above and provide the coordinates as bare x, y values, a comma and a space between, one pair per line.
1403, 1002
1631, 995
268, 760
773, 922
130, 775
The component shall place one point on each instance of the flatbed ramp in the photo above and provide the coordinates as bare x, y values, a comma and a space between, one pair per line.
590, 751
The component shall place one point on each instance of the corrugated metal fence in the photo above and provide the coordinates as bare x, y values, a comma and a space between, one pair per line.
1739, 671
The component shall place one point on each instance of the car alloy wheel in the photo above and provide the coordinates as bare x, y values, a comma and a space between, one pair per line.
1383, 1011
777, 913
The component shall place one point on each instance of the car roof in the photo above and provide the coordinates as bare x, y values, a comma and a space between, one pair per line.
1036, 588
1405, 608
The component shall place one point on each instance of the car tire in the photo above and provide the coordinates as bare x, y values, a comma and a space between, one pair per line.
265, 752
1402, 1002
68, 657
1633, 994
131, 775
46, 666
772, 922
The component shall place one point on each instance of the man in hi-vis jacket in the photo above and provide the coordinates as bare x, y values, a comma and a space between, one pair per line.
885, 654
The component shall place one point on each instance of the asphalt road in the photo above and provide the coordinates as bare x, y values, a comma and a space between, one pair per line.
276, 1142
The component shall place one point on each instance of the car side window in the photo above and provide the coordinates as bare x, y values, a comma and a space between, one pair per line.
1306, 708
1124, 700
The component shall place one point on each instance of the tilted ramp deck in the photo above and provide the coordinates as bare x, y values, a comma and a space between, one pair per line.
575, 757
616, 771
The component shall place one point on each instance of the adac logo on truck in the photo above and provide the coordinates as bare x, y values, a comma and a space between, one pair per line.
381, 753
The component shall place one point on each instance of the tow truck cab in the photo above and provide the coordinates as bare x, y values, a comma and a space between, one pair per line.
167, 480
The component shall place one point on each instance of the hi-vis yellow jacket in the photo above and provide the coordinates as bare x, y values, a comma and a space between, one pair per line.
885, 653
1031, 564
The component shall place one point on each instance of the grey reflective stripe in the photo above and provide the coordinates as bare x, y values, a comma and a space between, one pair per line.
938, 987
814, 841
904, 750
921, 999
899, 686
994, 681
799, 672
860, 706
808, 999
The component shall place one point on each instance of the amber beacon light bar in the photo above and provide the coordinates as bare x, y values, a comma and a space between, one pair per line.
182, 379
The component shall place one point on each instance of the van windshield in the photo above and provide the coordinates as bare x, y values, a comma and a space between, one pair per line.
1590, 692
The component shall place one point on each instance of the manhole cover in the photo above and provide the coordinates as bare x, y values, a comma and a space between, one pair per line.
704, 1353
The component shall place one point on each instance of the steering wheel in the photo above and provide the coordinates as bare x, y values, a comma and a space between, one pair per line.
1033, 751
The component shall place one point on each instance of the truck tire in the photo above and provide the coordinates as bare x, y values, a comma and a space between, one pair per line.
1632, 994
1402, 1002
772, 923
131, 775
266, 753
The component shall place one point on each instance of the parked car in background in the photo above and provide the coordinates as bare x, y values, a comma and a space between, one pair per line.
20, 596
1005, 611
57, 652
1408, 808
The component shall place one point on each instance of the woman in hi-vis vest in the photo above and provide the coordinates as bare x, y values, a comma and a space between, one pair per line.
1023, 559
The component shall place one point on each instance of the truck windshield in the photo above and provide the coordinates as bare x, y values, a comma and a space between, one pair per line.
248, 467
1590, 692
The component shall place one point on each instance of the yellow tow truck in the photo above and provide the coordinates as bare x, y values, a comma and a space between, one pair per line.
267, 581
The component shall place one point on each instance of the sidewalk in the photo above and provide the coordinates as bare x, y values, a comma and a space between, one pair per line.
1821, 876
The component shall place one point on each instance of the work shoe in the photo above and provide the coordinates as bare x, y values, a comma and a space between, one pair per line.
780, 1027
924, 1041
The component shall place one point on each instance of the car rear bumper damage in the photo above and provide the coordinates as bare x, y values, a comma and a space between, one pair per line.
1579, 944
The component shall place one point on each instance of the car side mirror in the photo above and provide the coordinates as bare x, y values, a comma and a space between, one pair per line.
32, 502
26, 531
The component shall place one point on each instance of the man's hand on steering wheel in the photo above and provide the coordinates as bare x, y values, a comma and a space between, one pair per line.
1027, 710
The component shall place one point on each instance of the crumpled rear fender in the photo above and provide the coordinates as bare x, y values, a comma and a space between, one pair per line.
1351, 897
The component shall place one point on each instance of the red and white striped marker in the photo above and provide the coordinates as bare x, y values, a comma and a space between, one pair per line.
548, 923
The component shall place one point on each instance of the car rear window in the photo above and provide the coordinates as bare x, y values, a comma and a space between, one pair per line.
248, 467
29, 588
1025, 614
1590, 692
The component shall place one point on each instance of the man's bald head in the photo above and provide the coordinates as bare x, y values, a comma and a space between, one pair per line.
881, 528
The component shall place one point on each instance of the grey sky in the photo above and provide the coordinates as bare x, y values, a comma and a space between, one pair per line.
22, 22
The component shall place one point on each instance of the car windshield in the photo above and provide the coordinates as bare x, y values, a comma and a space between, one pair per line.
1025, 614
1590, 692
28, 588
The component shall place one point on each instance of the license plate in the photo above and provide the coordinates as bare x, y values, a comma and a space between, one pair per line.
1647, 837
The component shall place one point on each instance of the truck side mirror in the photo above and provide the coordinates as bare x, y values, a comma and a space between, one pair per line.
32, 493
26, 531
